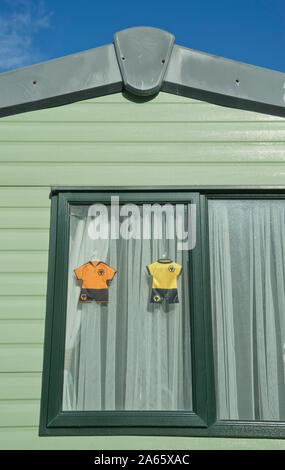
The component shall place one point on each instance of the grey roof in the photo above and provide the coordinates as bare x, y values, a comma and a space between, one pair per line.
143, 61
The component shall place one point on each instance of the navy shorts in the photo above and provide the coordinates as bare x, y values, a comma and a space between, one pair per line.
169, 295
88, 295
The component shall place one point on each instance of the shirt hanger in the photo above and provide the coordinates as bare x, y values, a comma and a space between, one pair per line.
164, 258
95, 256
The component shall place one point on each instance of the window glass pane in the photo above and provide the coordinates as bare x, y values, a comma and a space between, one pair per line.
128, 326
247, 260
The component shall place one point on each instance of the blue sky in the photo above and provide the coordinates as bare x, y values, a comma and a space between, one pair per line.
251, 31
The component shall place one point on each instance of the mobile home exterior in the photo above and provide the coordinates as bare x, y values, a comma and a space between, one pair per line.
107, 136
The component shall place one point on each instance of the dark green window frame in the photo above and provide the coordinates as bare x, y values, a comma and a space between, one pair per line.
202, 420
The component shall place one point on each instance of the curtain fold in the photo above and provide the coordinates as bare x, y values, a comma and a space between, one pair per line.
247, 260
129, 354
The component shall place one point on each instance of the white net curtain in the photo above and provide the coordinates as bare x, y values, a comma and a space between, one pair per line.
128, 354
247, 258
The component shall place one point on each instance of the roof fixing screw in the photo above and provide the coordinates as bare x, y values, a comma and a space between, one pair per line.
123, 58
163, 61
34, 82
237, 82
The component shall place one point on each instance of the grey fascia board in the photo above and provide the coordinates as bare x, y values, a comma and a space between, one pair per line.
87, 74
96, 72
197, 74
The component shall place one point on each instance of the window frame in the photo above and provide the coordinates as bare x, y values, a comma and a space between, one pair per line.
201, 422
53, 420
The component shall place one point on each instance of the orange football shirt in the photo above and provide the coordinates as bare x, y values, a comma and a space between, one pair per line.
95, 275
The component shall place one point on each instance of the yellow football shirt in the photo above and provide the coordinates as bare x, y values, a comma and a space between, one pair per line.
164, 274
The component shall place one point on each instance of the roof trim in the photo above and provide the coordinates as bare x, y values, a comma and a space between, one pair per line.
151, 64
71, 78
222, 81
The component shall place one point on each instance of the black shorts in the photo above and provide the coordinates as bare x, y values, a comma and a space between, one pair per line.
169, 295
88, 295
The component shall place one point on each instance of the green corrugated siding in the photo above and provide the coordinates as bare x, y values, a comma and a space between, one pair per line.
105, 141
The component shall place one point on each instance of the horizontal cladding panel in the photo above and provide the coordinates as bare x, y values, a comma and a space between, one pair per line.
21, 284
142, 132
27, 307
27, 438
24, 197
122, 112
21, 357
21, 239
23, 262
53, 153
125, 175
19, 413
20, 386
21, 331
19, 218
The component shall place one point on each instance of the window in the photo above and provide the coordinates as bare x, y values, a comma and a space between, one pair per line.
127, 343
165, 313
247, 261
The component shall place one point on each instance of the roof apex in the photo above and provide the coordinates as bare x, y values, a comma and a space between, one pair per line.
143, 54
143, 60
